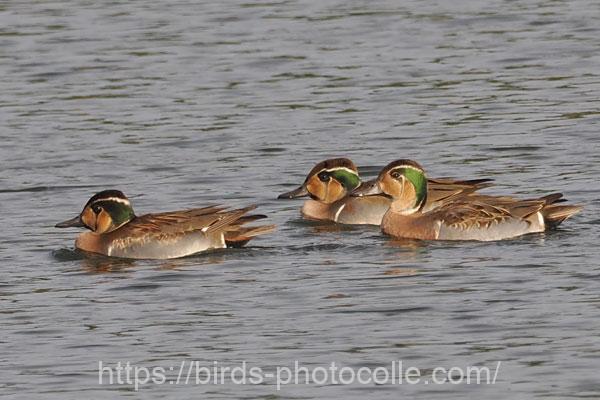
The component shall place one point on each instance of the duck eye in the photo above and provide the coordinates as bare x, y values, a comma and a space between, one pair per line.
395, 174
97, 209
324, 176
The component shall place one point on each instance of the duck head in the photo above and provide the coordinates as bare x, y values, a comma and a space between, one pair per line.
404, 181
103, 213
329, 181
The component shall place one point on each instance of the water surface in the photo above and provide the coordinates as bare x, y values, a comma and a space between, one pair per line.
182, 104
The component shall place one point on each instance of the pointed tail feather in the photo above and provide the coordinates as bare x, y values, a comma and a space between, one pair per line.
250, 218
554, 215
234, 233
230, 217
242, 236
553, 198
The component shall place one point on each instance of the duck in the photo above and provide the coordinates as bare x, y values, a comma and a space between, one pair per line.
116, 231
471, 217
330, 183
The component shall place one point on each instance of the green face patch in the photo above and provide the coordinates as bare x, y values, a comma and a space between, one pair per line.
348, 179
119, 212
418, 180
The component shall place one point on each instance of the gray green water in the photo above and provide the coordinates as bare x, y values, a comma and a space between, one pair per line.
181, 104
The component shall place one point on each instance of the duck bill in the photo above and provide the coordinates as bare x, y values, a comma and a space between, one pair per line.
71, 223
369, 188
299, 192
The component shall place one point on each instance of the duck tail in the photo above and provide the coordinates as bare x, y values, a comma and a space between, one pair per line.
229, 218
554, 215
241, 236
234, 233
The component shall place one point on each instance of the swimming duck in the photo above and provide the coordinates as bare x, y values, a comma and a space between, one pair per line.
473, 217
330, 183
116, 230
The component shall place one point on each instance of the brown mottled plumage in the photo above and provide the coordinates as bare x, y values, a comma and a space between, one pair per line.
331, 200
117, 232
460, 217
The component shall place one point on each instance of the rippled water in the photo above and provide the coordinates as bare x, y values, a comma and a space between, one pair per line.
182, 104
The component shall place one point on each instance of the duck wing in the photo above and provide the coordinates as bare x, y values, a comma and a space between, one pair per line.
442, 190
